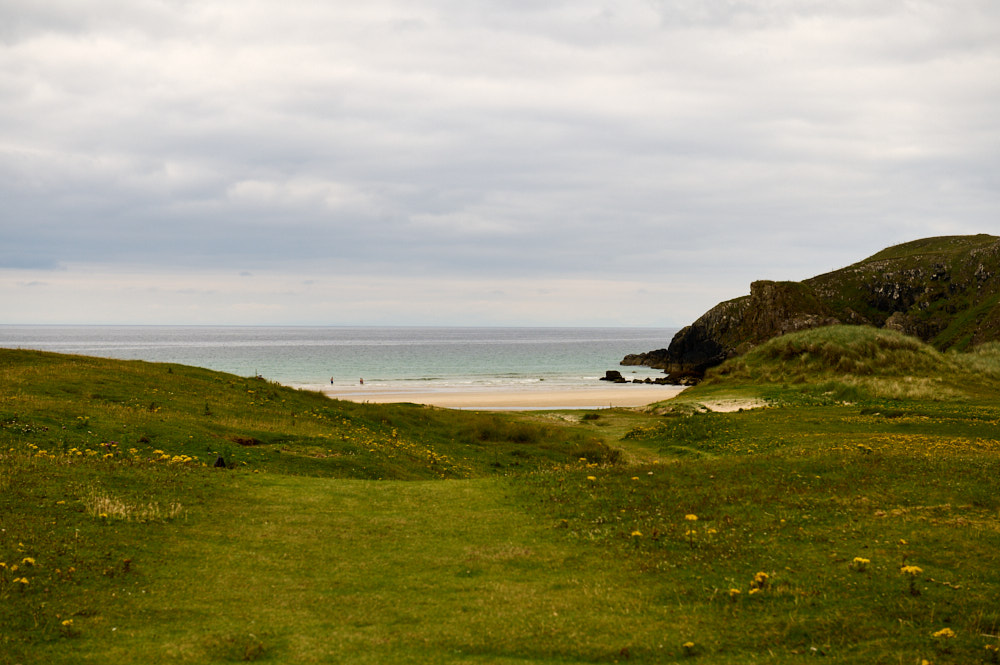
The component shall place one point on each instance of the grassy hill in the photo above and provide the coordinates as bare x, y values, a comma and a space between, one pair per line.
944, 291
850, 519
859, 363
84, 403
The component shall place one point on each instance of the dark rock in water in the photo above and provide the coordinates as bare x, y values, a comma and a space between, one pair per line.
220, 463
945, 291
614, 376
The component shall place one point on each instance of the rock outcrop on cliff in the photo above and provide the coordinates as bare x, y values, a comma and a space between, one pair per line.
945, 291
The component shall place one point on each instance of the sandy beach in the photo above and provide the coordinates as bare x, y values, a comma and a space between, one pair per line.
598, 397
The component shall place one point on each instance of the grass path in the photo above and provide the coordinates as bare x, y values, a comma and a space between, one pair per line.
290, 569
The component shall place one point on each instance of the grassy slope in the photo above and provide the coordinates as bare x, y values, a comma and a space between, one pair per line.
526, 553
964, 311
942, 247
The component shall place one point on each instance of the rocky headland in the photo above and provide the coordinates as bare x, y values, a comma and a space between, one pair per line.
944, 291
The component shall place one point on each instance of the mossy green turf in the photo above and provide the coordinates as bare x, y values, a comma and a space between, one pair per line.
503, 538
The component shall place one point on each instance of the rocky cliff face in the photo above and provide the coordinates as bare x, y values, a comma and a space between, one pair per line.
946, 291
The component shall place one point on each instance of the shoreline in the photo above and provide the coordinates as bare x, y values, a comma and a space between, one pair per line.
508, 399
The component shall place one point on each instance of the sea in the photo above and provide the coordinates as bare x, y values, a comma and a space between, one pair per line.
408, 359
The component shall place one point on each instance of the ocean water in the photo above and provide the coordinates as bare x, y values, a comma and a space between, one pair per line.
414, 359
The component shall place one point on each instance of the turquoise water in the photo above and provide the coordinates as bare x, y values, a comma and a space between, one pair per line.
410, 359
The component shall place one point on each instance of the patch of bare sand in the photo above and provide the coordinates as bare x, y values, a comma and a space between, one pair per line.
731, 405
630, 395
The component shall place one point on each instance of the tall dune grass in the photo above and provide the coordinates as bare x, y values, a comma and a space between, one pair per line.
103, 505
859, 362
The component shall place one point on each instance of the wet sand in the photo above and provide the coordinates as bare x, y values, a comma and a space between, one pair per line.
599, 397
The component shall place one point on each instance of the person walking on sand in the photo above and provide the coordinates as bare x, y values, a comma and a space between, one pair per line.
362, 381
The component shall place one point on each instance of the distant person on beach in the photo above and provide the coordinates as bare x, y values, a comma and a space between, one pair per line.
331, 380
362, 382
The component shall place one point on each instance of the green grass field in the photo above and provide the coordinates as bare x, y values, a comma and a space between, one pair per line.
856, 518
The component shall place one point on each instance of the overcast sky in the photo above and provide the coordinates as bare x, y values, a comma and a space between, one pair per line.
504, 162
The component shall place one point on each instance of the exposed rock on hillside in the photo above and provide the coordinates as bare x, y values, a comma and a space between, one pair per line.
945, 291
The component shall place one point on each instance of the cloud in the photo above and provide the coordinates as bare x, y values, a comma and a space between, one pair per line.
144, 296
663, 141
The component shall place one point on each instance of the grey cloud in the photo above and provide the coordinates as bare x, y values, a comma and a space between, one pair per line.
553, 138
24, 19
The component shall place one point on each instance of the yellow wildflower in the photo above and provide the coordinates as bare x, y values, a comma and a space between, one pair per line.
636, 533
691, 518
67, 622
947, 633
591, 478
912, 571
28, 561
